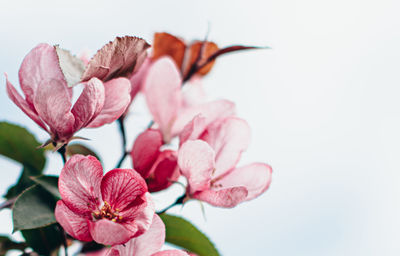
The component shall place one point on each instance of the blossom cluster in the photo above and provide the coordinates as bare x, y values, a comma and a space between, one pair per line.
190, 138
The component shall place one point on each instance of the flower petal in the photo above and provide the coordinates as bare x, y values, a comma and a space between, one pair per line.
226, 197
40, 64
255, 177
193, 93
89, 103
23, 105
74, 224
171, 253
137, 79
79, 183
193, 130
229, 139
162, 91
196, 162
117, 99
165, 171
146, 150
122, 188
107, 232
53, 105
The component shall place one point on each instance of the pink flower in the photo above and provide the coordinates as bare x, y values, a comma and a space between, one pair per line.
48, 98
109, 210
158, 168
147, 244
208, 157
166, 102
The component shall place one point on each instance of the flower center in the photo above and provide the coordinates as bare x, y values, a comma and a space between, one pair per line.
107, 212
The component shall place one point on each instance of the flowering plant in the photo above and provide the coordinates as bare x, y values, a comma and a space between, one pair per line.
190, 141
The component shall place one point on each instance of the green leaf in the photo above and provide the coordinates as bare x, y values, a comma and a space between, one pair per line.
34, 208
23, 182
20, 145
182, 233
48, 182
44, 240
7, 244
77, 148
71, 66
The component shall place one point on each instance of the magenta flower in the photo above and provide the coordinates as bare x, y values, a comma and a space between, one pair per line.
109, 210
208, 157
168, 105
158, 168
48, 98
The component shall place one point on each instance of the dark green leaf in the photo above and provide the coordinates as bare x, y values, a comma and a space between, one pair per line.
50, 183
20, 145
182, 233
23, 182
77, 148
44, 240
7, 244
34, 208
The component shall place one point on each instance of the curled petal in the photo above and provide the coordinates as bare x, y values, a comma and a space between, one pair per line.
79, 183
89, 103
165, 171
117, 99
140, 217
74, 224
255, 177
193, 130
226, 197
196, 162
107, 232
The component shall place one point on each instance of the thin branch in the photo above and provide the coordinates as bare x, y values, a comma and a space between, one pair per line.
178, 201
63, 152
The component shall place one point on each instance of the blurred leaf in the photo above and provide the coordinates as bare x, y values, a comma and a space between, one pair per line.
182, 233
77, 148
7, 244
71, 66
44, 240
23, 182
34, 208
48, 182
20, 145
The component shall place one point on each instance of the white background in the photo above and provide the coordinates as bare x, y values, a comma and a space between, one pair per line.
323, 106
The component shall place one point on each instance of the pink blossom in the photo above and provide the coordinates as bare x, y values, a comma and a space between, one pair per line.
167, 103
147, 244
48, 98
109, 210
159, 168
208, 157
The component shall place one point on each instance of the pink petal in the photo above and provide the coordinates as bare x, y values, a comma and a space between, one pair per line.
40, 64
79, 183
162, 91
255, 177
53, 105
122, 188
89, 103
228, 139
165, 171
23, 105
117, 99
147, 244
226, 197
74, 224
107, 232
138, 78
171, 253
212, 111
196, 162
146, 150
193, 130
193, 93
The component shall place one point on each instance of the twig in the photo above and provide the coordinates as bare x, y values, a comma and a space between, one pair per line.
177, 202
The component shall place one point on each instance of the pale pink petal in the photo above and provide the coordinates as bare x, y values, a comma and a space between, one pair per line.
225, 197
171, 253
40, 64
53, 105
228, 139
196, 162
107, 232
146, 150
79, 183
117, 99
89, 103
23, 105
147, 244
122, 188
162, 91
212, 111
164, 172
193, 93
193, 130
255, 177
139, 217
74, 224
137, 79
102, 252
